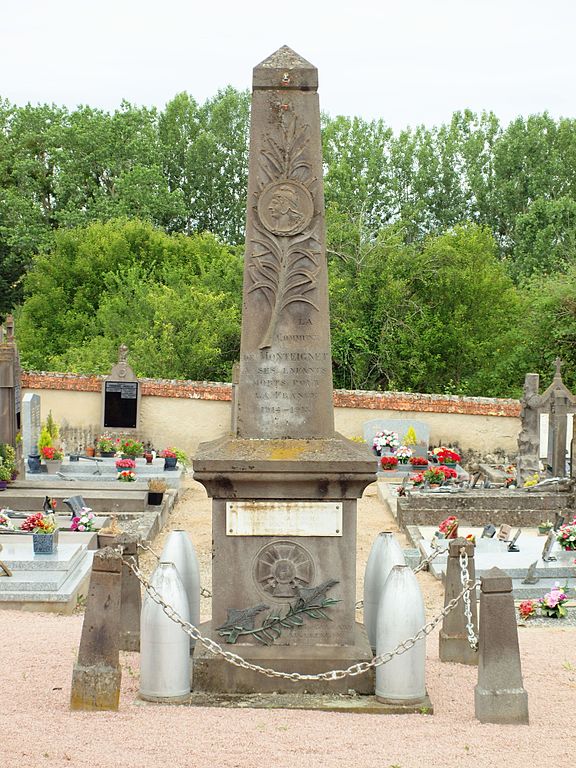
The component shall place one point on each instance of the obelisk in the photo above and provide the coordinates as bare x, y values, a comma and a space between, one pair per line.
284, 485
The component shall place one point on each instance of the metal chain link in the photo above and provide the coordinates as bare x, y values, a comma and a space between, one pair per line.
465, 581
334, 674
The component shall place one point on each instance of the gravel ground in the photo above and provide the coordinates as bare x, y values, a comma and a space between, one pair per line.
38, 729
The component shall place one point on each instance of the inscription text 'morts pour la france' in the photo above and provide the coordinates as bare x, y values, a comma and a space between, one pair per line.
285, 382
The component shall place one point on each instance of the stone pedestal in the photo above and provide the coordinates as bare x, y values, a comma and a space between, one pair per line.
499, 696
453, 642
323, 478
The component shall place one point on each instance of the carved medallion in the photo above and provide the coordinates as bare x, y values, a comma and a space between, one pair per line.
285, 207
282, 567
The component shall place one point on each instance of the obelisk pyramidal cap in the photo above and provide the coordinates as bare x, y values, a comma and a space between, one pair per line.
285, 382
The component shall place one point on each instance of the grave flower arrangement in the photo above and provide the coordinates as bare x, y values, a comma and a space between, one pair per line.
403, 453
50, 453
448, 472
552, 604
107, 443
84, 521
449, 527
567, 535
126, 476
125, 464
131, 447
527, 609
388, 462
445, 455
434, 476
418, 461
39, 523
417, 479
168, 453
386, 438
5, 523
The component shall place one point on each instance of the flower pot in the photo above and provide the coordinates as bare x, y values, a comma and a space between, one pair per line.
91, 451
155, 498
450, 464
543, 530
3, 485
53, 466
149, 458
45, 543
34, 465
170, 462
107, 454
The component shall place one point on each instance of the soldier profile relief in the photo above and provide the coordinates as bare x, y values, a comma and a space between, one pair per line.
285, 207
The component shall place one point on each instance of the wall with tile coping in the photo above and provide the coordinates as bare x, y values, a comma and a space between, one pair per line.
184, 413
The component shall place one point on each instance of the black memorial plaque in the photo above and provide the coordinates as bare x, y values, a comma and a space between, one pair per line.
120, 404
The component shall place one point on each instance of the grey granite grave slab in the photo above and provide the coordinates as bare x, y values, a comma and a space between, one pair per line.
31, 424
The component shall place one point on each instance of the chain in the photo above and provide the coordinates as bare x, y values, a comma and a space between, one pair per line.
422, 565
465, 581
334, 674
205, 592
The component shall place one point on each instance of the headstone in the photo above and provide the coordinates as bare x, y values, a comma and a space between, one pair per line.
401, 427
75, 505
31, 424
529, 438
284, 485
121, 395
499, 696
10, 388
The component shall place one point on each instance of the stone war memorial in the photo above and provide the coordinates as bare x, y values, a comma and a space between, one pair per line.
283, 484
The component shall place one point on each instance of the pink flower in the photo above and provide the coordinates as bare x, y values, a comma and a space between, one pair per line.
81, 527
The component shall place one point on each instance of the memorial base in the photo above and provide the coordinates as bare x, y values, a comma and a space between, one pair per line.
213, 674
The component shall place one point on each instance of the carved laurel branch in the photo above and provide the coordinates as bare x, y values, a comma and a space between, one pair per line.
310, 603
285, 160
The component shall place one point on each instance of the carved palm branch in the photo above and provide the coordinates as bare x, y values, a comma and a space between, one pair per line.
286, 271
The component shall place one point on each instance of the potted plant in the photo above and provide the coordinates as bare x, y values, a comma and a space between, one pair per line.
5, 476
125, 464
388, 462
552, 604
417, 479
127, 476
447, 457
448, 472
544, 527
170, 458
403, 453
6, 523
83, 522
156, 490
130, 448
44, 533
52, 458
385, 441
434, 476
418, 461
106, 445
567, 535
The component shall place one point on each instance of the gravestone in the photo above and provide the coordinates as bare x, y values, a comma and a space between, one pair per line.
121, 395
31, 424
284, 485
10, 388
401, 427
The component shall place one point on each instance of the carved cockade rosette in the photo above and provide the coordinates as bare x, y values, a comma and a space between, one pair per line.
284, 263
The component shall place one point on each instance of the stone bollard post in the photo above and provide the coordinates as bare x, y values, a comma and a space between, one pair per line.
499, 696
131, 598
454, 645
96, 677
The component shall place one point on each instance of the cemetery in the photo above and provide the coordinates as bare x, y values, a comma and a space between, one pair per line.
287, 567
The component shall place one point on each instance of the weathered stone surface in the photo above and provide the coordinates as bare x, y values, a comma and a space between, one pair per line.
453, 641
499, 696
96, 678
285, 385
130, 597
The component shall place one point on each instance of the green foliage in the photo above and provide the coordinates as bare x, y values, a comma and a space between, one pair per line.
51, 427
174, 300
45, 439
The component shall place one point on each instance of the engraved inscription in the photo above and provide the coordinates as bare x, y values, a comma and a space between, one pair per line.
285, 207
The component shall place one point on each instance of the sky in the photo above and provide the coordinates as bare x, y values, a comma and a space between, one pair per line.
408, 62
